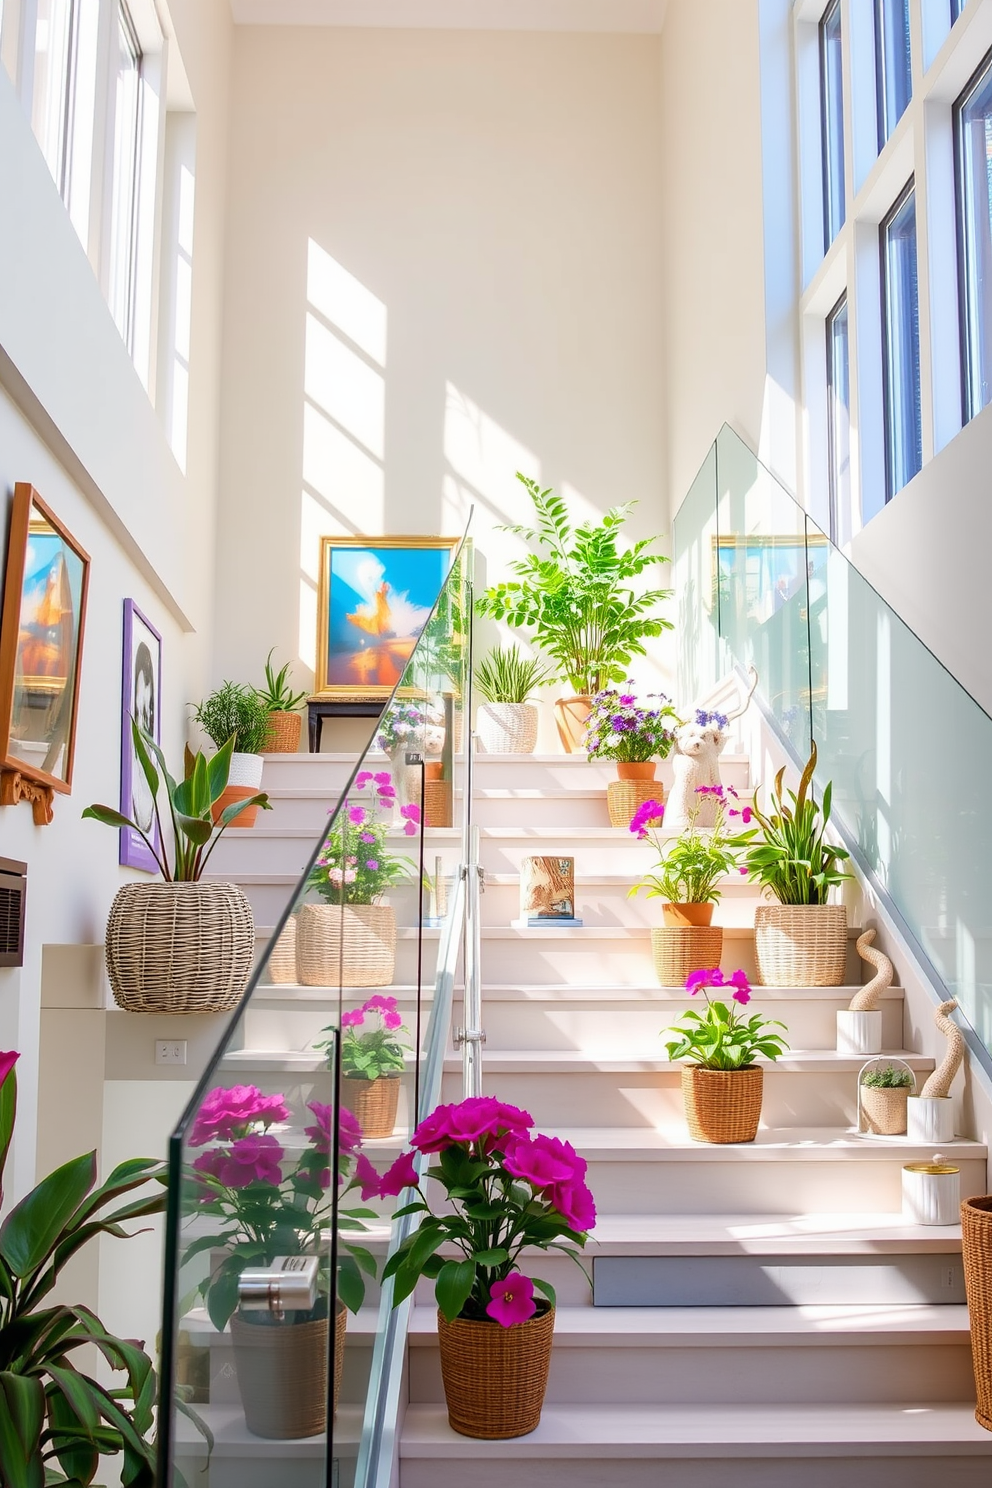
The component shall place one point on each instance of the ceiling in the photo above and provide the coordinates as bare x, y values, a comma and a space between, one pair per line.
458, 15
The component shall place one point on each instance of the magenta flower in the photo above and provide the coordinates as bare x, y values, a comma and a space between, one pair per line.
367, 1178
252, 1159
742, 987
411, 818
353, 1019
383, 778
367, 837
434, 1132
402, 1174
349, 1131
381, 1004
746, 815
536, 1162
372, 865
392, 1020
651, 813
357, 814
363, 777
7, 1061
698, 981
575, 1204
743, 871
228, 1113
512, 1300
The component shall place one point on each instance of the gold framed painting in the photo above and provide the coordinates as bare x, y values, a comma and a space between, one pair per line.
374, 597
41, 642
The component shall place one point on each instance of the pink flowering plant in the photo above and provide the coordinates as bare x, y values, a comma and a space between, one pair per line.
721, 1038
355, 865
377, 1051
690, 868
619, 728
507, 1187
268, 1201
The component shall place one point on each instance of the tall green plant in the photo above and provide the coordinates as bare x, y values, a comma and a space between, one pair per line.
57, 1421
787, 852
234, 711
575, 595
507, 676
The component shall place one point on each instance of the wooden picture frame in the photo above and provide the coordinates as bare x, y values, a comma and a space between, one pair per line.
374, 595
141, 696
41, 644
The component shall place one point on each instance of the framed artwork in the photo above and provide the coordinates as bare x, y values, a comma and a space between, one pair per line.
765, 572
141, 697
41, 643
374, 597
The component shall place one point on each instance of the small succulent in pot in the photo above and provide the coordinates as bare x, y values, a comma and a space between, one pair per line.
889, 1078
277, 695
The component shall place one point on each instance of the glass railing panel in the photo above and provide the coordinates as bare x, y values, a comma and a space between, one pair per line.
694, 547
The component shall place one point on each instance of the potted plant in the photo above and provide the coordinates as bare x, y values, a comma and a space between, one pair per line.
882, 1099
507, 720
620, 729
58, 1419
576, 597
237, 712
687, 880
183, 945
352, 935
415, 729
801, 941
252, 1198
722, 1086
508, 1190
976, 1253
281, 704
372, 1063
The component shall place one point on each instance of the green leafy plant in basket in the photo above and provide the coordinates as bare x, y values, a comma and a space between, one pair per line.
889, 1078
277, 696
787, 853
507, 676
720, 1038
579, 595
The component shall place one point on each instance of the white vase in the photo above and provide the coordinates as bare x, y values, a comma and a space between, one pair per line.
930, 1118
246, 769
859, 1033
931, 1193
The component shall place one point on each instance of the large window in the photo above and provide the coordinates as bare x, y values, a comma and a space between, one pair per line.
51, 101
832, 116
125, 192
901, 345
893, 66
957, 6
839, 421
973, 131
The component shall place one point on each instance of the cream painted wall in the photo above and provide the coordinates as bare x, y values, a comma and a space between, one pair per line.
469, 224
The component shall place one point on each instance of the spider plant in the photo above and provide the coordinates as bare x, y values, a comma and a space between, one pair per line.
507, 676
787, 852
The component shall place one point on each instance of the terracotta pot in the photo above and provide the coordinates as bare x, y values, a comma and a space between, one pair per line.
636, 769
572, 716
373, 1103
722, 1105
433, 769
976, 1247
284, 733
282, 1374
688, 914
495, 1378
228, 797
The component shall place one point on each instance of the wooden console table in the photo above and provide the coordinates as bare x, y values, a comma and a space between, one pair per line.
319, 708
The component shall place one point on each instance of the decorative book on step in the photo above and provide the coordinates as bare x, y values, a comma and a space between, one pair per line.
547, 891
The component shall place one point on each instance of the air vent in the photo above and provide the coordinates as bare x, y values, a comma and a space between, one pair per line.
13, 894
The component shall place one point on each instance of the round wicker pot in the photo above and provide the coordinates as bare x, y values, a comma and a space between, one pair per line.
572, 716
438, 803
636, 769
722, 1105
507, 728
282, 1374
351, 945
282, 957
625, 797
688, 914
284, 733
679, 950
884, 1110
179, 947
373, 1103
495, 1377
976, 1247
800, 945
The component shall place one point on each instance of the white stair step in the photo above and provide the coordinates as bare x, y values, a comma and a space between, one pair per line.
563, 770
869, 1233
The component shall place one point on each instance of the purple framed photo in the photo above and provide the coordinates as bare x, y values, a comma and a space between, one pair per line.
141, 694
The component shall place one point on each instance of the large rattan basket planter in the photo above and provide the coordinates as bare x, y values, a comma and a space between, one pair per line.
679, 950
800, 945
507, 728
495, 1377
355, 943
722, 1105
284, 733
282, 958
883, 1109
282, 1375
179, 947
976, 1248
374, 1103
624, 797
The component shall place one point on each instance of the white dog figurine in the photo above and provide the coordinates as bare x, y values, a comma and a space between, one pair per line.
696, 762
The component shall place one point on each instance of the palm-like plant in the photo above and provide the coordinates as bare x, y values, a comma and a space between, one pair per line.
577, 597
787, 853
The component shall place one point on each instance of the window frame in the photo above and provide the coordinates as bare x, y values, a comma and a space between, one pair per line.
123, 18
907, 192
831, 227
833, 493
961, 225
885, 129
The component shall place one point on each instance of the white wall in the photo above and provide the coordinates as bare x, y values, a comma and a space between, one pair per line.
496, 198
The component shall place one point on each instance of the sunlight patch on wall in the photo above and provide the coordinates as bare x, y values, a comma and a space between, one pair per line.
344, 302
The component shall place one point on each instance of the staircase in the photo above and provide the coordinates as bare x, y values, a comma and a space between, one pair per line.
759, 1314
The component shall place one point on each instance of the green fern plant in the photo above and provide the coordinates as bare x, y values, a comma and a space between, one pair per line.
508, 676
576, 595
889, 1078
235, 711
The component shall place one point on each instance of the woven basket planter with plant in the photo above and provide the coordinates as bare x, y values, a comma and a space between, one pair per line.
679, 950
282, 957
634, 738
801, 945
282, 1374
353, 945
976, 1248
184, 945
507, 721
883, 1095
722, 1085
285, 723
373, 1058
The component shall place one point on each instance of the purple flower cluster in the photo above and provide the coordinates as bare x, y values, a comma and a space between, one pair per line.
619, 728
704, 719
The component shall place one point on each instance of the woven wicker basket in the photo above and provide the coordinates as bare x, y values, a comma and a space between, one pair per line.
374, 1103
681, 949
179, 947
883, 1110
282, 959
364, 956
437, 803
282, 1375
507, 728
284, 733
624, 797
976, 1247
800, 945
722, 1105
495, 1377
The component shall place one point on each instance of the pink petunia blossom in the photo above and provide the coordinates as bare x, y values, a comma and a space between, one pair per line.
353, 1019
575, 1204
383, 777
537, 1163
363, 777
357, 815
402, 1174
392, 1020
411, 818
367, 1177
226, 1113
368, 837
512, 1300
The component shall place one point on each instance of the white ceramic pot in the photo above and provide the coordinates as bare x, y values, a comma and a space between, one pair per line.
931, 1193
930, 1118
859, 1033
246, 769
507, 728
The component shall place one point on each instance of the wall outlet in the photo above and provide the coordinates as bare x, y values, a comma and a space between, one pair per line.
170, 1051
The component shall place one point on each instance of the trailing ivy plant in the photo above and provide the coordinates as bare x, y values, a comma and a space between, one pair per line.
577, 596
